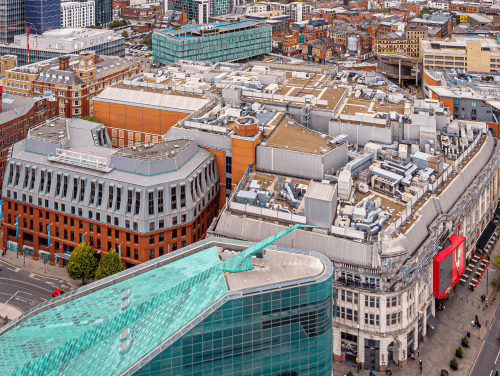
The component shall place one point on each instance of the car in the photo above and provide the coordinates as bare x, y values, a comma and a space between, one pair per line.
58, 292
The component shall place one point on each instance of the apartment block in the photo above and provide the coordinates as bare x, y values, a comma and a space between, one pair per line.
77, 14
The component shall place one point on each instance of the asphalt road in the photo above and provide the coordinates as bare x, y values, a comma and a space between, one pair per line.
24, 290
488, 359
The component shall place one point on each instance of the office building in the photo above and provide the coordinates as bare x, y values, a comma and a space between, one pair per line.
43, 14
61, 42
11, 13
147, 199
75, 14
103, 12
469, 53
217, 311
213, 42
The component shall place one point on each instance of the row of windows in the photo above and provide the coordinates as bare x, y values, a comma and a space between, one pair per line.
110, 198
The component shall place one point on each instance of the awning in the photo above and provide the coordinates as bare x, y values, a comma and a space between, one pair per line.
432, 322
62, 255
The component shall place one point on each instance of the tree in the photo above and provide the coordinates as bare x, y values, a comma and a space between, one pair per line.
424, 11
109, 265
349, 373
82, 263
125, 34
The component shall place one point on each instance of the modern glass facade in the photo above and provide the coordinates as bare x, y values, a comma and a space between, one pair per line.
103, 12
44, 14
231, 45
11, 13
285, 331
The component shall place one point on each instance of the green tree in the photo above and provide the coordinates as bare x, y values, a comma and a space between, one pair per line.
349, 373
424, 11
147, 41
125, 34
109, 265
82, 263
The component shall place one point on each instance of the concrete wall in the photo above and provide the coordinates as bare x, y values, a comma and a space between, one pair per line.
362, 134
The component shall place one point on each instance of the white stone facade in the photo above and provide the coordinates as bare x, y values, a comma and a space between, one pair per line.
75, 14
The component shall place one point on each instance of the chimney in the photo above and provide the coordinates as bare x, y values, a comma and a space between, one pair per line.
63, 62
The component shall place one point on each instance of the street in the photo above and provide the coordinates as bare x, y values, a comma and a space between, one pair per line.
488, 359
22, 289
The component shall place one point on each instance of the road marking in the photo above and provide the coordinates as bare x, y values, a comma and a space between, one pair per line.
11, 297
8, 263
497, 357
26, 283
491, 372
12, 305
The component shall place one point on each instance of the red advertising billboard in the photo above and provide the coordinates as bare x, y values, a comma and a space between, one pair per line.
448, 265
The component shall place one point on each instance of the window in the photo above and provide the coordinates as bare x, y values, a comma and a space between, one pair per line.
173, 193
473, 103
75, 188
99, 194
128, 252
82, 189
136, 254
372, 302
26, 177
129, 201
151, 203
42, 181
65, 186
136, 239
137, 202
110, 196
183, 243
174, 234
160, 251
92, 192
160, 200
151, 239
174, 246
183, 196
118, 198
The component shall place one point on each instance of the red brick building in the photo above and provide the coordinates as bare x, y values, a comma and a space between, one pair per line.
76, 80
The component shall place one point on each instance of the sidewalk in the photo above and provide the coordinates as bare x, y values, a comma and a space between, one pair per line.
37, 267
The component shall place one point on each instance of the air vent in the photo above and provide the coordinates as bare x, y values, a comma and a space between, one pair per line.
125, 304
125, 294
125, 345
124, 334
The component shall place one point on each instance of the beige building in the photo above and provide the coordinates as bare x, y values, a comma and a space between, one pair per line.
476, 54
18, 80
7, 62
405, 43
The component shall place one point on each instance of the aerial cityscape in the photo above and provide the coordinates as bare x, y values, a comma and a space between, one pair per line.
215, 187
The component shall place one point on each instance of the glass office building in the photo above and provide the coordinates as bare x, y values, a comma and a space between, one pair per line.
216, 307
215, 42
43, 14
103, 12
11, 13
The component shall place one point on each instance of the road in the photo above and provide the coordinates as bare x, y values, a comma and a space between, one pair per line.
24, 290
488, 359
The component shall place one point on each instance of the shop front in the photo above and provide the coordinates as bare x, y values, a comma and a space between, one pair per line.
349, 347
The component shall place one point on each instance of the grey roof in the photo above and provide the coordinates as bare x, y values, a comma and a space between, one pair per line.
394, 35
14, 107
320, 191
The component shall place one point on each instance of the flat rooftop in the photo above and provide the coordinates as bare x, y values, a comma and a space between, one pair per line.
155, 151
289, 135
55, 131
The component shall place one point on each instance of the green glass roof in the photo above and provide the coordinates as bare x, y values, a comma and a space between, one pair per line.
82, 336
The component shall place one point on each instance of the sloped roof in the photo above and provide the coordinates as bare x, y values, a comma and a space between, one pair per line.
14, 107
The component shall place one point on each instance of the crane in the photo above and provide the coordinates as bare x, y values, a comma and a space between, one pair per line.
26, 26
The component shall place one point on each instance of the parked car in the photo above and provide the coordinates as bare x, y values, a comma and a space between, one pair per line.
58, 292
